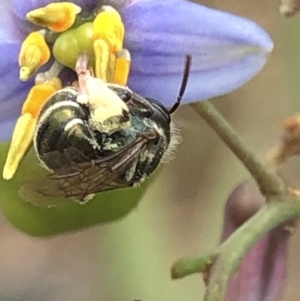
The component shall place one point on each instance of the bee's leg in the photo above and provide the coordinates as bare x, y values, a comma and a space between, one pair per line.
83, 74
34, 53
57, 17
86, 199
112, 62
25, 126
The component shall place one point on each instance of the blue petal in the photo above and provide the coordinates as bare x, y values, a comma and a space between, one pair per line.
21, 8
227, 50
12, 91
7, 128
202, 84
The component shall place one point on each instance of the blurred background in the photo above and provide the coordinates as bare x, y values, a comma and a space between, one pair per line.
182, 213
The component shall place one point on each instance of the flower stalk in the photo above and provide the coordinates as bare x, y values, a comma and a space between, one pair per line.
267, 180
282, 205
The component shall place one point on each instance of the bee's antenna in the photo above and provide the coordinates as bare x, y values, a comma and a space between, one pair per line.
186, 73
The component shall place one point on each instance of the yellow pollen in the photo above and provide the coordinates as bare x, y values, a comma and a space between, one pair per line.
122, 68
102, 56
34, 53
38, 95
25, 126
112, 62
57, 17
108, 26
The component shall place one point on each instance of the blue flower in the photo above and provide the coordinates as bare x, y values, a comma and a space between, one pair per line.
227, 50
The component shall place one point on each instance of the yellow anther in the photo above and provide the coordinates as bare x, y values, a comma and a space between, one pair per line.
112, 62
102, 57
55, 16
38, 95
122, 68
25, 126
108, 26
34, 53
111, 68
21, 141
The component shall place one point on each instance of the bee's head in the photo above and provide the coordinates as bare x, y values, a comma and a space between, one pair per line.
160, 111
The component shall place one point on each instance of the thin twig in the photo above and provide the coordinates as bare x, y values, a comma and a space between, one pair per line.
241, 241
192, 265
268, 182
281, 206
233, 250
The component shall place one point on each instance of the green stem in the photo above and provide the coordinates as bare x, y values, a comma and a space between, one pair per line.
280, 207
240, 242
268, 182
233, 250
192, 265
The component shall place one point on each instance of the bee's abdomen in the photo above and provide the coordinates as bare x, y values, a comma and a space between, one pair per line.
62, 125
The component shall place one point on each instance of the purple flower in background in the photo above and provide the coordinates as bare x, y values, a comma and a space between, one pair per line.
263, 271
227, 50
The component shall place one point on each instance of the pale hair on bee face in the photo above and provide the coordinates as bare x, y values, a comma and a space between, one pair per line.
176, 139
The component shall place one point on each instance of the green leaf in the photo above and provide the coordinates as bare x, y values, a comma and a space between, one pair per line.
42, 221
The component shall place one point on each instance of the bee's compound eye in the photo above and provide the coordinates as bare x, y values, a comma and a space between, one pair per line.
160, 109
123, 93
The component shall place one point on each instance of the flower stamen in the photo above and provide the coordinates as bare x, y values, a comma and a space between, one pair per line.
110, 62
34, 53
102, 59
109, 27
57, 17
122, 67
25, 126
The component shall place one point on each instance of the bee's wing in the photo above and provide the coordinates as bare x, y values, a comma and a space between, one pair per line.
81, 180
63, 160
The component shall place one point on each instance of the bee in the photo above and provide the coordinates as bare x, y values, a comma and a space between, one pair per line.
85, 159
